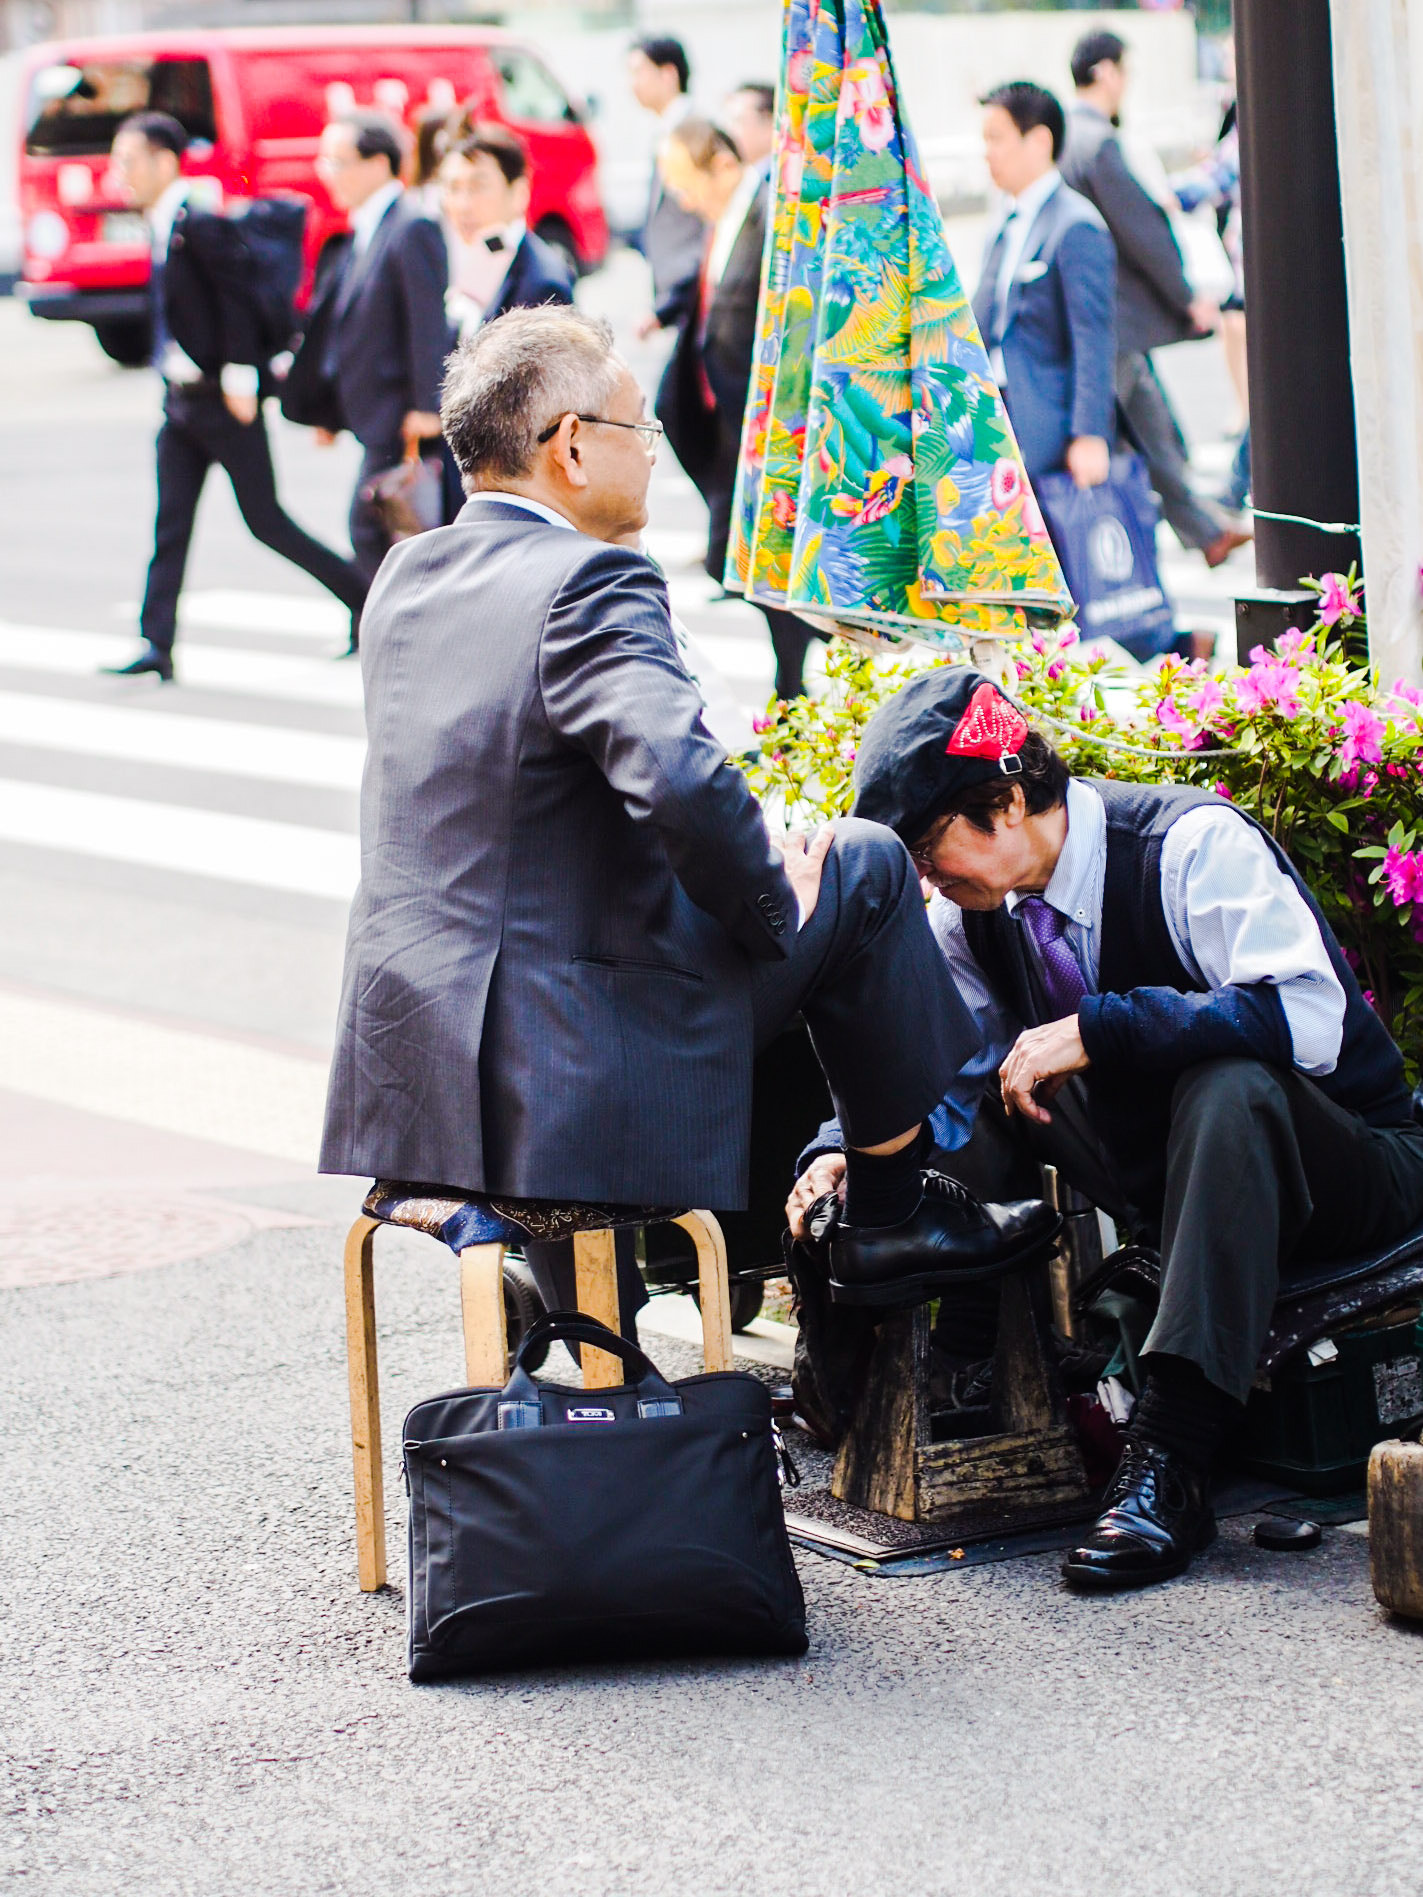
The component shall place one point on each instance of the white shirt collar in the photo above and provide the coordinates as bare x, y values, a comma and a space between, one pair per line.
728, 225
1028, 203
162, 214
672, 115
1075, 887
365, 219
550, 514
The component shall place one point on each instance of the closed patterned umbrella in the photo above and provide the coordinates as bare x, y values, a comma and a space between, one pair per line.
880, 486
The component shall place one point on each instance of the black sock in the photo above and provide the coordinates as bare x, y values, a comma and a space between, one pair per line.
884, 1188
1181, 1410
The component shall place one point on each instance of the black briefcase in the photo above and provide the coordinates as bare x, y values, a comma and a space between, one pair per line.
553, 1524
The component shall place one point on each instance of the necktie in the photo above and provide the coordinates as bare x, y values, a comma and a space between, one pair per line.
992, 271
1063, 985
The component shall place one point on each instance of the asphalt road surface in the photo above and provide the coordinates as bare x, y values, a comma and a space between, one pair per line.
194, 1698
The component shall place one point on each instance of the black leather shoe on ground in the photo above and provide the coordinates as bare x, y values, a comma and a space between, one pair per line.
952, 1237
1158, 1515
151, 659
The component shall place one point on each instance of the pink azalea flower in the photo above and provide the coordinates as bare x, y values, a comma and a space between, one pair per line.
1222, 789
1269, 683
1067, 638
1170, 718
1005, 484
1294, 645
758, 725
1403, 874
1207, 699
1336, 602
1024, 670
1086, 713
1056, 669
1363, 736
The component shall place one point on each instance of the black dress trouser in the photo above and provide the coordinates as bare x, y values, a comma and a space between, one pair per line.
887, 1022
198, 432
1260, 1170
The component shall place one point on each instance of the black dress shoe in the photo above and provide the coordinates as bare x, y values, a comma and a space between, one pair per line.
952, 1237
1158, 1515
151, 659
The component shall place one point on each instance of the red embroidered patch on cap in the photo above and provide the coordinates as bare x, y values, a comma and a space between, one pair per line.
989, 728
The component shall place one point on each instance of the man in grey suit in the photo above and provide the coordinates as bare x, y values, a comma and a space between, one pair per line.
572, 930
1155, 303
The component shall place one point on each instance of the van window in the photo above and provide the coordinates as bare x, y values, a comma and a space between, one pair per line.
531, 93
75, 110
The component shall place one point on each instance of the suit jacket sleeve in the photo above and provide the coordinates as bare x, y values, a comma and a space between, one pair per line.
1139, 227
219, 254
423, 265
1087, 270
614, 683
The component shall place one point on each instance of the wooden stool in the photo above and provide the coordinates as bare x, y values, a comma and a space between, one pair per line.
1396, 1527
478, 1231
1027, 1473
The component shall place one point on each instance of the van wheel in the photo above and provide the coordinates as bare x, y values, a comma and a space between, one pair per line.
747, 1296
522, 1305
556, 234
126, 340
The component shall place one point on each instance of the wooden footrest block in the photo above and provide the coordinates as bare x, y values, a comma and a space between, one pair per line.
1030, 1471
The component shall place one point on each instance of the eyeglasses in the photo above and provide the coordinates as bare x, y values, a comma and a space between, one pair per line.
921, 854
648, 433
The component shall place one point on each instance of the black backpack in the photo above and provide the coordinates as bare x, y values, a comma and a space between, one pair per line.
270, 232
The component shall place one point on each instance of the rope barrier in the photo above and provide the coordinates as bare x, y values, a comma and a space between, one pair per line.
1303, 520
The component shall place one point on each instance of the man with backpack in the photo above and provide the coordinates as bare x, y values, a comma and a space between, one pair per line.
216, 296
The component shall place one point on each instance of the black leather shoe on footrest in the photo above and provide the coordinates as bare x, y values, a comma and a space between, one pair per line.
1158, 1515
951, 1238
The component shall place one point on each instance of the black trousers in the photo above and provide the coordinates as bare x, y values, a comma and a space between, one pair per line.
1195, 522
370, 538
1260, 1171
199, 432
886, 1020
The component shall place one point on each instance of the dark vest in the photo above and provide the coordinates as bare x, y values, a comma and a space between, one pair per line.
1137, 952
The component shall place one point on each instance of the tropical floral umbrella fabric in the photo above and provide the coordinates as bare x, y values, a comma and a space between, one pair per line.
879, 484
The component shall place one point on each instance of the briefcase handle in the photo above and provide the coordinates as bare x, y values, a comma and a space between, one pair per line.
578, 1328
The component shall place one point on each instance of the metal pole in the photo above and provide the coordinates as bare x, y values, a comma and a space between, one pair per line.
1302, 447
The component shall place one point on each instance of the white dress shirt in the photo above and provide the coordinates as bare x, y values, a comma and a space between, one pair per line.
176, 365
367, 216
477, 273
728, 229
1018, 218
1232, 914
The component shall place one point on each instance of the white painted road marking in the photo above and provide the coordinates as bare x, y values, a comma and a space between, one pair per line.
134, 733
287, 856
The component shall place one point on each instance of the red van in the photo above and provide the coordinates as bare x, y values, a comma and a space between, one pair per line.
254, 101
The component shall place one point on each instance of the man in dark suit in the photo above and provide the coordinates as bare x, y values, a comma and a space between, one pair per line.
1155, 303
573, 930
376, 335
208, 349
673, 237
1044, 299
703, 394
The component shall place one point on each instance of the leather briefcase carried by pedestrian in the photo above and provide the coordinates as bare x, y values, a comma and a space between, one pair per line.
409, 498
549, 1523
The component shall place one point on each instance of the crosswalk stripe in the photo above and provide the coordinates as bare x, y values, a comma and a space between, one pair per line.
235, 611
285, 856
202, 1085
272, 753
72, 653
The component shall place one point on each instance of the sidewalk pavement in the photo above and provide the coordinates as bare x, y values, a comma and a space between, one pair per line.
197, 1699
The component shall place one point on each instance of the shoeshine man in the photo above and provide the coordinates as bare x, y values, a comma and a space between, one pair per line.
1165, 1015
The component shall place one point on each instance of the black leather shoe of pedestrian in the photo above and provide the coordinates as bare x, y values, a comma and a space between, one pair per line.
151, 659
1158, 1515
952, 1237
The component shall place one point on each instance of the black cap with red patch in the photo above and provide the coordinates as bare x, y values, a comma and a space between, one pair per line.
940, 734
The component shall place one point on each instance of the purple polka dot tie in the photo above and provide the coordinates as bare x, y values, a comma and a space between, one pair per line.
1062, 978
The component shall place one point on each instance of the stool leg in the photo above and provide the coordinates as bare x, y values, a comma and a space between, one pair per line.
486, 1337
365, 1403
714, 1290
595, 1265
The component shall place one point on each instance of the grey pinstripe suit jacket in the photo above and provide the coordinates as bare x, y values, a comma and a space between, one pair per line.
564, 885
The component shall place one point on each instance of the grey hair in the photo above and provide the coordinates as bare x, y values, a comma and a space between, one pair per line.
512, 378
